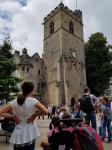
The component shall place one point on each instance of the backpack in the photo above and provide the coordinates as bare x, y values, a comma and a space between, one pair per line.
88, 138
75, 144
107, 113
85, 104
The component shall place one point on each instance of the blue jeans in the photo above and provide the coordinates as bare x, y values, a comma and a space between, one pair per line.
100, 131
91, 117
106, 123
10, 129
28, 147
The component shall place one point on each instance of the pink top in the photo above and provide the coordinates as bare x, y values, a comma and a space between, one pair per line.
49, 133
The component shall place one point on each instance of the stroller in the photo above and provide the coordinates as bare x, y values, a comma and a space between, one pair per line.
62, 140
81, 137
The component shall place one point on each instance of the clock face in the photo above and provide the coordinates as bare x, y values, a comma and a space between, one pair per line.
73, 54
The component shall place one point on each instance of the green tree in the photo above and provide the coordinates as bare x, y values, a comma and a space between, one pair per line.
8, 82
110, 55
98, 63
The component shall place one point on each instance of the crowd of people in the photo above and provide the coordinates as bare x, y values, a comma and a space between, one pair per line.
26, 108
96, 113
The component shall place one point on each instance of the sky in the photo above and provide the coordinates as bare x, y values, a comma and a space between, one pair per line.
23, 19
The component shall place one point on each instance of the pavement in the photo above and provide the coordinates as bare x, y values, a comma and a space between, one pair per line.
43, 128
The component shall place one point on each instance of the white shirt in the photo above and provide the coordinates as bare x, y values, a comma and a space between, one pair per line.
24, 132
49, 110
61, 114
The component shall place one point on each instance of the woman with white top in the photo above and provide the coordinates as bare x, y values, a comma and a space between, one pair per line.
24, 108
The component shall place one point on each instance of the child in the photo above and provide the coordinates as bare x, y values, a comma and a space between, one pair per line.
99, 117
54, 127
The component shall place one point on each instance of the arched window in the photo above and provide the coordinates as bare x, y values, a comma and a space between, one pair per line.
51, 27
71, 27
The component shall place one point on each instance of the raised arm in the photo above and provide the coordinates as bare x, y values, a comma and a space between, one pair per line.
42, 111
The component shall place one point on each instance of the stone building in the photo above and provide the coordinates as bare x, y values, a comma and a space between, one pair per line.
62, 67
30, 69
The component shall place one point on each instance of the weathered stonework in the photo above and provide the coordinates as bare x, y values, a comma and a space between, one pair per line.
62, 73
30, 69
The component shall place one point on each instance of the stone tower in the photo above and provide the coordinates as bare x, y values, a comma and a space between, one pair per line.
63, 57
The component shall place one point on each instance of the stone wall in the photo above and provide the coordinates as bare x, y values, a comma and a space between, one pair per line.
64, 75
34, 63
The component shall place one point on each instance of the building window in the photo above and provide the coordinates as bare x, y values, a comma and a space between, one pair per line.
27, 69
23, 68
36, 59
71, 27
51, 27
38, 72
38, 86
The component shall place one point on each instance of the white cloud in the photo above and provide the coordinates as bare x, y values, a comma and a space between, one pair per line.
25, 22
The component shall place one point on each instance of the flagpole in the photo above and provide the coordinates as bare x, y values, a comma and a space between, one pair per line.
76, 4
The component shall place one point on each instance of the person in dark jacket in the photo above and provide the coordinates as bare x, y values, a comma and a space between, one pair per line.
53, 110
8, 125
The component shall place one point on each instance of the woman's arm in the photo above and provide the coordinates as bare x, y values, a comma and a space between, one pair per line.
3, 113
42, 111
4, 110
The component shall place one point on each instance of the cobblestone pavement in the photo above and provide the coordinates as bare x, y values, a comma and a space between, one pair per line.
43, 128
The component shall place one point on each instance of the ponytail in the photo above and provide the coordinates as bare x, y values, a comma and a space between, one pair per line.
21, 99
55, 123
50, 126
27, 88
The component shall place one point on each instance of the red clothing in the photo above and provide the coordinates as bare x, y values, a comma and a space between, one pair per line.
75, 145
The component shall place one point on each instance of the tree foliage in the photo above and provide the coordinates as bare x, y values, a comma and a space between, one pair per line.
98, 63
7, 66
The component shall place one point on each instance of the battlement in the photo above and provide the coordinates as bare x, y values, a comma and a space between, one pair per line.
77, 14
